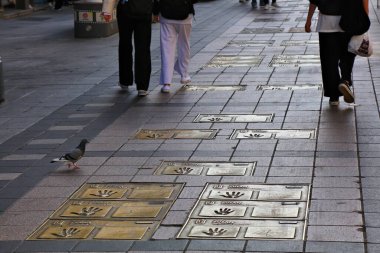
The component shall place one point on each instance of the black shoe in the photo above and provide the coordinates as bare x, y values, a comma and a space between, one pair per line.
348, 96
334, 101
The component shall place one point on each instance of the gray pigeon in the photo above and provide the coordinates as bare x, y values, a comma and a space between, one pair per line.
73, 157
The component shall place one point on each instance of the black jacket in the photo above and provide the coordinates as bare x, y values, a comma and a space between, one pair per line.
329, 7
157, 7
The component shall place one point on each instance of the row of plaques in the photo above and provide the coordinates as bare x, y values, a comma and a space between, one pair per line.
249, 211
119, 211
203, 87
222, 61
205, 168
146, 134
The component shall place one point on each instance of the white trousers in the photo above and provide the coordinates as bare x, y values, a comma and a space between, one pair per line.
170, 36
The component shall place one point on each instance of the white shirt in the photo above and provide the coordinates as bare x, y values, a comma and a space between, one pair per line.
328, 24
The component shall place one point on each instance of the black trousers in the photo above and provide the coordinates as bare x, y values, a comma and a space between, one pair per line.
141, 31
336, 61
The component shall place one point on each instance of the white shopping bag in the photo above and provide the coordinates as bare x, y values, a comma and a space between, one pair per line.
360, 45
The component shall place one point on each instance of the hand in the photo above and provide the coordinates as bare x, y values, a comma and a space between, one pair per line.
308, 26
107, 17
155, 19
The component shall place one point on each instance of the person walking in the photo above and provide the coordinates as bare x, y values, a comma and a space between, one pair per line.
134, 19
176, 17
336, 62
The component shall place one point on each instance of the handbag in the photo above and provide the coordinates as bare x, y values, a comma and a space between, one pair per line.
360, 45
354, 20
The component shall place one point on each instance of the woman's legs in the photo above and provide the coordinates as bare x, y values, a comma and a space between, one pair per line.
183, 61
168, 39
329, 48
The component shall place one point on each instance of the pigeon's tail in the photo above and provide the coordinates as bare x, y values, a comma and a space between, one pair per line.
61, 159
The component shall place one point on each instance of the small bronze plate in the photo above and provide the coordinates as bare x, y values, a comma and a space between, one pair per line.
273, 134
297, 30
233, 118
176, 134
251, 43
235, 209
290, 87
95, 229
299, 42
242, 229
295, 60
222, 61
271, 20
261, 30
112, 210
128, 191
262, 192
205, 168
213, 88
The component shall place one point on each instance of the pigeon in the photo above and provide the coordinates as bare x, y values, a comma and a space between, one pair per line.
73, 157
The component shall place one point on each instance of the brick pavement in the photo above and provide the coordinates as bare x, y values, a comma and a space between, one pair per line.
40, 120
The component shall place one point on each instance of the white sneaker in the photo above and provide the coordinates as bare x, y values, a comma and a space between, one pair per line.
142, 93
51, 5
124, 87
266, 7
186, 80
165, 88
275, 5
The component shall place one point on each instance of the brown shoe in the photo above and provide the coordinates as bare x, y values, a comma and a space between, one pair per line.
348, 96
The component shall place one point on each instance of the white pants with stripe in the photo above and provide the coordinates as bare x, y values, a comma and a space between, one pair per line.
172, 35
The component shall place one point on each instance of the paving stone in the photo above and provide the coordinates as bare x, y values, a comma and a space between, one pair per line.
335, 218
176, 218
29, 218
166, 233
373, 248
46, 246
160, 245
336, 247
8, 246
24, 157
331, 171
274, 246
46, 141
335, 193
342, 182
102, 246
335, 233
290, 171
8, 176
335, 205
373, 235
371, 193
216, 245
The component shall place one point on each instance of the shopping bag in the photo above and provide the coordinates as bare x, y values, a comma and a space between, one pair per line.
360, 45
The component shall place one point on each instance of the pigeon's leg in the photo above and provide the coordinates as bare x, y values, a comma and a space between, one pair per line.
75, 167
69, 165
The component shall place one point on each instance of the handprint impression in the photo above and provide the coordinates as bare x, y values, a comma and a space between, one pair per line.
232, 195
104, 193
88, 211
215, 231
224, 211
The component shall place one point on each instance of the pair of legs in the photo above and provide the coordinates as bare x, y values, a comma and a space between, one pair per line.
141, 31
175, 35
336, 62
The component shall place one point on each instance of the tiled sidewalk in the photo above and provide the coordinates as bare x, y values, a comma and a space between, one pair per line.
340, 163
